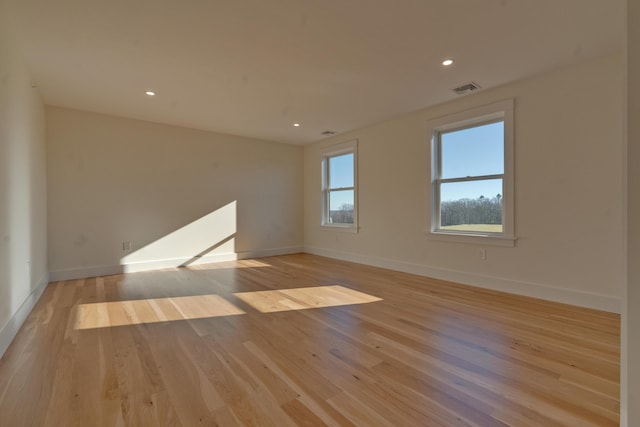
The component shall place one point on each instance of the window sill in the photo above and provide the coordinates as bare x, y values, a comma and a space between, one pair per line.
475, 239
340, 228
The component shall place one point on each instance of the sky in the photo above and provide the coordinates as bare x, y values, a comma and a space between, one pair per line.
341, 175
472, 152
469, 152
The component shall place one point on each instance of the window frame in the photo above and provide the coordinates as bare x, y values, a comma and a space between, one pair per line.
336, 150
492, 113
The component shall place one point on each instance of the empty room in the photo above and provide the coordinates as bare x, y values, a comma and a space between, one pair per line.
319, 213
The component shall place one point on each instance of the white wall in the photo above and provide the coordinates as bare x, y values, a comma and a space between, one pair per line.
23, 258
175, 193
568, 142
630, 386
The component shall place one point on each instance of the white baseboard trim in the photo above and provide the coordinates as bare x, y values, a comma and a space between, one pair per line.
535, 290
263, 253
107, 270
11, 328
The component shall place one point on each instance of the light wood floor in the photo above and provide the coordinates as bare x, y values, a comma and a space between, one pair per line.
305, 340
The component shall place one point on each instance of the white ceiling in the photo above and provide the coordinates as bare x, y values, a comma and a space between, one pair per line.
255, 67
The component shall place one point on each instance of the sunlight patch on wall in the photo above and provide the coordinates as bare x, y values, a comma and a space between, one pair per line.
304, 298
207, 239
135, 312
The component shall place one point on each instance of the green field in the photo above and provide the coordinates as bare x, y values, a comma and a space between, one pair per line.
490, 228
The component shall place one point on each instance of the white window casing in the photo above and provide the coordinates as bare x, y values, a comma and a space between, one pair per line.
502, 111
331, 152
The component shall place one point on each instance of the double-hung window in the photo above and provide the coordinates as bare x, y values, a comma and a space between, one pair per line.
472, 175
339, 187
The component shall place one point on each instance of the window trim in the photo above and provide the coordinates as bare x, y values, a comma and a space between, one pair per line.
498, 111
327, 153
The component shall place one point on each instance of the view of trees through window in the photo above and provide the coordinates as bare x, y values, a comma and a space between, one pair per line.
340, 189
481, 214
342, 215
469, 180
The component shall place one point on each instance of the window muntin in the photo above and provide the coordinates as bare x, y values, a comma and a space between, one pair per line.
472, 170
339, 208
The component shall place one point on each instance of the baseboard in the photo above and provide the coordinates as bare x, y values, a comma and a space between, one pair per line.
535, 290
11, 328
262, 253
107, 270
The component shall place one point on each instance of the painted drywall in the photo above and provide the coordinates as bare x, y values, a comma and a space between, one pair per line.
23, 259
180, 196
630, 372
568, 142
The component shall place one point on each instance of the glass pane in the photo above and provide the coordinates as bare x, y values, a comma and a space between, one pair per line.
341, 207
475, 151
341, 171
471, 206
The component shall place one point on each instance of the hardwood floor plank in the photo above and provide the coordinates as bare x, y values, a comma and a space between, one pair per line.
357, 412
188, 389
302, 340
307, 385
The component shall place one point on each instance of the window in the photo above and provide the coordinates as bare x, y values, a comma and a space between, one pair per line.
472, 175
339, 187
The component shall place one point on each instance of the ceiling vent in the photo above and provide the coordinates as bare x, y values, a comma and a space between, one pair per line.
466, 88
328, 132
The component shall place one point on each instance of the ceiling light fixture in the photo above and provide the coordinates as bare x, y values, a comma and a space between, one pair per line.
447, 62
150, 93
296, 125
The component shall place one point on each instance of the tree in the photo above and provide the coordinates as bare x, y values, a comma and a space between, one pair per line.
344, 214
482, 210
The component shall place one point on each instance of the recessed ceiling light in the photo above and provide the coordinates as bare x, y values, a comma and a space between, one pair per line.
150, 93
296, 125
447, 62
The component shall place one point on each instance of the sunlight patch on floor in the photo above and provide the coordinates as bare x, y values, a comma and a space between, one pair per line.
153, 310
135, 312
304, 298
222, 265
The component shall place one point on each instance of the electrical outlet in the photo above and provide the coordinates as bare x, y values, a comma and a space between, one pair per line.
126, 246
483, 254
